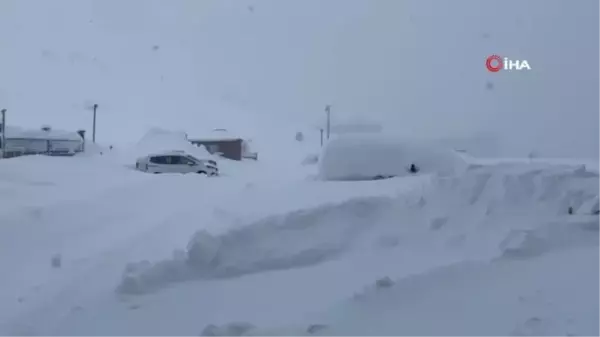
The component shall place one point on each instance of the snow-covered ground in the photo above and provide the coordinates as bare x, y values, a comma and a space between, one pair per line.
89, 246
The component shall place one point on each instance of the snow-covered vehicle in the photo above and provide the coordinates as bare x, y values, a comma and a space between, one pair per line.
380, 157
176, 162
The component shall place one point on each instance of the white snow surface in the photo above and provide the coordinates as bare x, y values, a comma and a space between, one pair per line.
218, 134
18, 132
359, 157
158, 140
89, 247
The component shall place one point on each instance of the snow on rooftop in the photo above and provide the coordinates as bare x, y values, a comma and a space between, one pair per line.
50, 134
215, 134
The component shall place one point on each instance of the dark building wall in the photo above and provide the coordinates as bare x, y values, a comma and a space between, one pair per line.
231, 149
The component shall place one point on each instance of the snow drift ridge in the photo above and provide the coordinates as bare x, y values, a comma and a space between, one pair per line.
292, 240
518, 210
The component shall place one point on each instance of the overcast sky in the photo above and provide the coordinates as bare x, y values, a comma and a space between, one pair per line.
416, 66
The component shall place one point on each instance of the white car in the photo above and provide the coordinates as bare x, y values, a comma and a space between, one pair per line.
176, 162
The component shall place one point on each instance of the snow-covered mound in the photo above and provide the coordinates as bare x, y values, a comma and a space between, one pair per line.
554, 294
366, 157
94, 149
296, 239
159, 140
529, 297
311, 159
32, 181
504, 222
496, 212
527, 267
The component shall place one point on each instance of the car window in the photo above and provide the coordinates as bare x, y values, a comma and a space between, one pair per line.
175, 160
191, 158
186, 160
158, 160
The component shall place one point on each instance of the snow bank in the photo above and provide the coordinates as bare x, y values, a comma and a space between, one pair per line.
39, 180
518, 249
486, 213
315, 259
555, 294
93, 149
365, 157
311, 159
297, 239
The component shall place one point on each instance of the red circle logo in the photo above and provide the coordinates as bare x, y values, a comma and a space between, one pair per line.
493, 63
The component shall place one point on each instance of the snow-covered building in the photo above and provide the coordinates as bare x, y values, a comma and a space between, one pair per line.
223, 142
46, 140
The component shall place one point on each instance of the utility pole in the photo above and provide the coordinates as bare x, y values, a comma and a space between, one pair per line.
94, 126
328, 111
3, 111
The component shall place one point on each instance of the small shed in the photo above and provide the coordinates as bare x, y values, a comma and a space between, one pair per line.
219, 141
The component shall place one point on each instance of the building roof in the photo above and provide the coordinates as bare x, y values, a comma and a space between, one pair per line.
52, 134
215, 135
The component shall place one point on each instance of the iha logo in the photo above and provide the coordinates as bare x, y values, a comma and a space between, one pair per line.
496, 63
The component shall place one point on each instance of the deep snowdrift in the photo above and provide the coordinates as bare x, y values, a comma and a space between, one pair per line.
365, 157
297, 239
292, 255
553, 294
541, 279
503, 213
483, 213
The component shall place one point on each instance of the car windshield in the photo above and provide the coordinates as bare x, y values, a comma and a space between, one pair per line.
193, 158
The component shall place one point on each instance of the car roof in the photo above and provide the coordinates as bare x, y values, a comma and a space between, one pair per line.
170, 153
